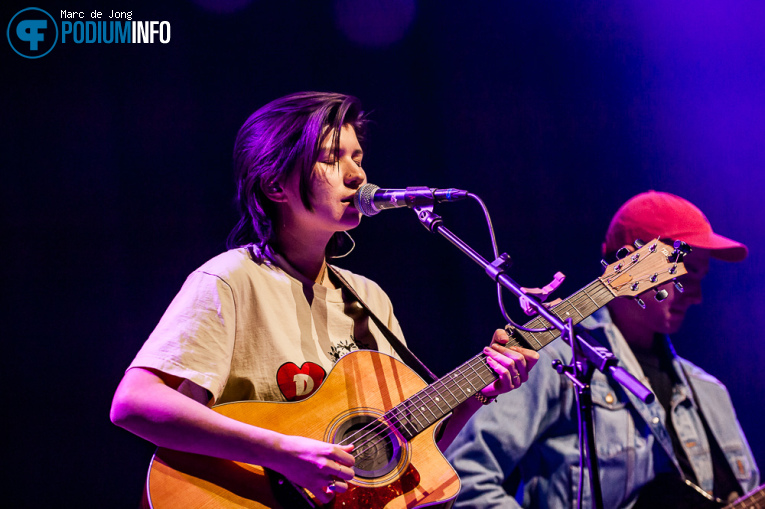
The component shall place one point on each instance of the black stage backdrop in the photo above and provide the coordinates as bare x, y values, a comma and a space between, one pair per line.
117, 180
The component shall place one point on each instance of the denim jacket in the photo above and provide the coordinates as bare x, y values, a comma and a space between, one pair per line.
527, 443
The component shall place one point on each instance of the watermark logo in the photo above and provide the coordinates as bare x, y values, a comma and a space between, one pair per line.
32, 33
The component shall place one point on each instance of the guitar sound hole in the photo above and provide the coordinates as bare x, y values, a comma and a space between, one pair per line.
376, 447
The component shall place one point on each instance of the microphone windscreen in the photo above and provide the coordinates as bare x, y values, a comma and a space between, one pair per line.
363, 199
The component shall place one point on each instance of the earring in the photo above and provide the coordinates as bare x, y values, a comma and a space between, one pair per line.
353, 245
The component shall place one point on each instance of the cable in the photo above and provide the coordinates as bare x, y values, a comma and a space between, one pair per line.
496, 256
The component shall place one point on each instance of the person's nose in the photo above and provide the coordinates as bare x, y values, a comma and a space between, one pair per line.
354, 175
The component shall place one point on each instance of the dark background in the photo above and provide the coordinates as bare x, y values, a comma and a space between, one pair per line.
117, 181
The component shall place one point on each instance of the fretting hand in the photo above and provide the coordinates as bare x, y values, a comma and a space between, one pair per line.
511, 364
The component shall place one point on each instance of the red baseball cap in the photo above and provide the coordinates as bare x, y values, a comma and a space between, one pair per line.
656, 214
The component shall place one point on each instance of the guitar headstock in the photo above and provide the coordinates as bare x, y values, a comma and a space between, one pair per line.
654, 263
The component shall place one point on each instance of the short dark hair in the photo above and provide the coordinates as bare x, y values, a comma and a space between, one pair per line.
284, 136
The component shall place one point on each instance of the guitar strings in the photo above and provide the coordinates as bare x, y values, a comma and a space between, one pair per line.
406, 407
378, 425
372, 430
580, 300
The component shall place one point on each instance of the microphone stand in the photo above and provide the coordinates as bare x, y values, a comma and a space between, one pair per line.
588, 355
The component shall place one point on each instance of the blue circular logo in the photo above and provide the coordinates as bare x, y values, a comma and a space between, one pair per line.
30, 34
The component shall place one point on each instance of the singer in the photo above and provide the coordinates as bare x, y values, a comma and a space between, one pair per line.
269, 318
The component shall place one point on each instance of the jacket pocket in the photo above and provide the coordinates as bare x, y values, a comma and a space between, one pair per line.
614, 427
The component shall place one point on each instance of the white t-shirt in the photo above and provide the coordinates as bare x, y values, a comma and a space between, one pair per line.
244, 329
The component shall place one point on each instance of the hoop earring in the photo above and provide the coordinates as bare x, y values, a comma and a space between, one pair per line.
353, 245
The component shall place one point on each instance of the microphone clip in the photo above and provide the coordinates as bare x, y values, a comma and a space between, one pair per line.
429, 219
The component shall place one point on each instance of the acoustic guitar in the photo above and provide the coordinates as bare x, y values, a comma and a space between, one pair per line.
386, 410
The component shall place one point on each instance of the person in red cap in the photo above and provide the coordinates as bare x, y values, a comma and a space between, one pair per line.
648, 216
524, 451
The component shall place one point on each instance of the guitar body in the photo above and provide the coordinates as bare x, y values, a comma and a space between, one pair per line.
363, 385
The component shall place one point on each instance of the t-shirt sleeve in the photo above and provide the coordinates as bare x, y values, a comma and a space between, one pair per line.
195, 337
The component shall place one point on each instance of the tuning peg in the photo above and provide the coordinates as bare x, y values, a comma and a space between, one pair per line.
682, 246
638, 243
681, 249
640, 302
678, 286
604, 263
622, 252
661, 295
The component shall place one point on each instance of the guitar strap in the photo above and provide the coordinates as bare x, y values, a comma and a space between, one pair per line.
725, 481
403, 352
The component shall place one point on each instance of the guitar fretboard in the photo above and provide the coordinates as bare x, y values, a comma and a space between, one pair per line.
578, 307
428, 406
753, 500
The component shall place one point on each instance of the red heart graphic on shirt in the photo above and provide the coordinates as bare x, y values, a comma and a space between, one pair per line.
299, 383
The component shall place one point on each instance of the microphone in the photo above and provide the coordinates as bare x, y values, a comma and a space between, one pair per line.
370, 199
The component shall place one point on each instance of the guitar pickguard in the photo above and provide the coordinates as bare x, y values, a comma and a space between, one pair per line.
363, 497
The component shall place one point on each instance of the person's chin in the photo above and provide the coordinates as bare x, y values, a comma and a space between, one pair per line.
674, 323
351, 219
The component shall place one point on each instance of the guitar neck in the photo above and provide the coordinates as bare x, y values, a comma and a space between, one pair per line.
578, 306
752, 500
431, 404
